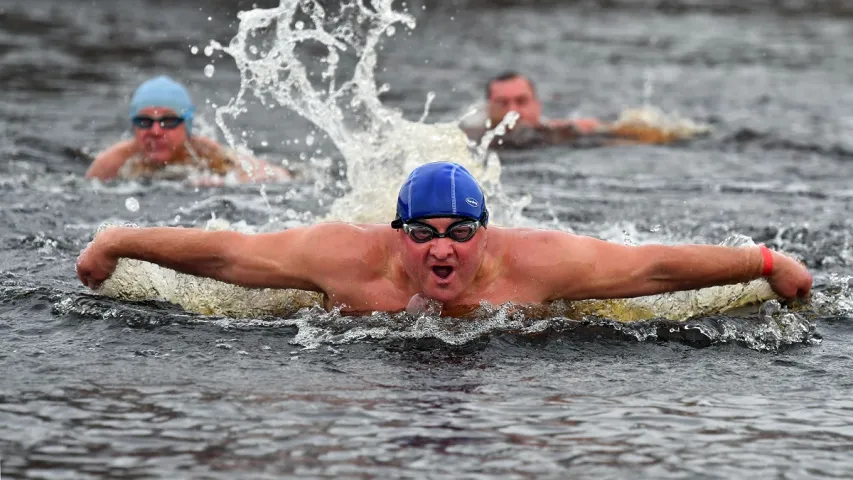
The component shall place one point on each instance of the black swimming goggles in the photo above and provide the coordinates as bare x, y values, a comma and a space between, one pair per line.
169, 122
460, 231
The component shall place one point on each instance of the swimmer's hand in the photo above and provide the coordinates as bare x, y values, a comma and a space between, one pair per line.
790, 279
95, 263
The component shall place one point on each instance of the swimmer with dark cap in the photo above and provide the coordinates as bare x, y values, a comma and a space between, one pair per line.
161, 114
440, 249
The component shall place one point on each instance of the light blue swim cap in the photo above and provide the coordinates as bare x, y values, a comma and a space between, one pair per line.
162, 91
440, 189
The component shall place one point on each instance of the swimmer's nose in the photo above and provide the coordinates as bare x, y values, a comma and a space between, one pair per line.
156, 129
441, 248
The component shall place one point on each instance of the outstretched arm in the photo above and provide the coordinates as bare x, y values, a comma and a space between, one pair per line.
107, 164
295, 258
592, 268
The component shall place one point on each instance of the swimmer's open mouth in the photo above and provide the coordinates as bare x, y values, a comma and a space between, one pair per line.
443, 271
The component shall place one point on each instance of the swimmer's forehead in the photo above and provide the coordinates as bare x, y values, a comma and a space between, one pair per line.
158, 111
511, 87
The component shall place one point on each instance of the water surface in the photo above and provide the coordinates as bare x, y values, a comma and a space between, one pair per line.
98, 388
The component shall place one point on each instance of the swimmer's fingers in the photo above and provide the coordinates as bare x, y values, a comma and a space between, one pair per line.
87, 276
86, 279
81, 276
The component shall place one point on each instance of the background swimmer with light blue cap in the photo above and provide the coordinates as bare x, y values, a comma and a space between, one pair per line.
440, 249
163, 146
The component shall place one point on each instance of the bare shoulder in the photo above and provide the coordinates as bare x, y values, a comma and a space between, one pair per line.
222, 159
343, 233
107, 163
526, 248
344, 245
122, 148
521, 237
210, 149
204, 142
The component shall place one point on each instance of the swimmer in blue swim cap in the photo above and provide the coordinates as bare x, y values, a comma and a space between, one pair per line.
440, 249
164, 146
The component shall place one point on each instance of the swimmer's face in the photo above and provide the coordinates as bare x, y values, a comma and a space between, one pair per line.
443, 268
160, 145
515, 94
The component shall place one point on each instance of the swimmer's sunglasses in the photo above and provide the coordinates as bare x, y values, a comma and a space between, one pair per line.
460, 231
170, 122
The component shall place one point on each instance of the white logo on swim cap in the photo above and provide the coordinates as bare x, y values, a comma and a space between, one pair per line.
472, 202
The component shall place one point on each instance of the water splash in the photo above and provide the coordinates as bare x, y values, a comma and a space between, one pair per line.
769, 328
650, 124
319, 62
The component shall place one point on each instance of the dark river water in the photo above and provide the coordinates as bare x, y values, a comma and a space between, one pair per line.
92, 387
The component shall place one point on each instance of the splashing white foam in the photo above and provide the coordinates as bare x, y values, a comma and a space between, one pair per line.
274, 50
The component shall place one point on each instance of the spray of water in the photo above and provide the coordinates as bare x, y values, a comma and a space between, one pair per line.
319, 62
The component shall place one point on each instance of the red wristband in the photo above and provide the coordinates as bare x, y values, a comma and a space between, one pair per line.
767, 256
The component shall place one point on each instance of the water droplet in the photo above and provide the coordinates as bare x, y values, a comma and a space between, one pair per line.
208, 70
264, 143
209, 19
131, 204
390, 31
208, 50
299, 25
194, 50
309, 140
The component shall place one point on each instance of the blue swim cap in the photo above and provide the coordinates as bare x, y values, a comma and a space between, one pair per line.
440, 189
164, 92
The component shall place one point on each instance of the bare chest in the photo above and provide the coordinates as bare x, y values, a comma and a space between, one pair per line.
386, 296
503, 290
380, 295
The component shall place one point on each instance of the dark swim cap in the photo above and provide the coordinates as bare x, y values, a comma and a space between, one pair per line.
440, 189
164, 92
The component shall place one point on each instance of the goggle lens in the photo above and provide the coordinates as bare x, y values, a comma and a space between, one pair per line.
459, 232
166, 123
